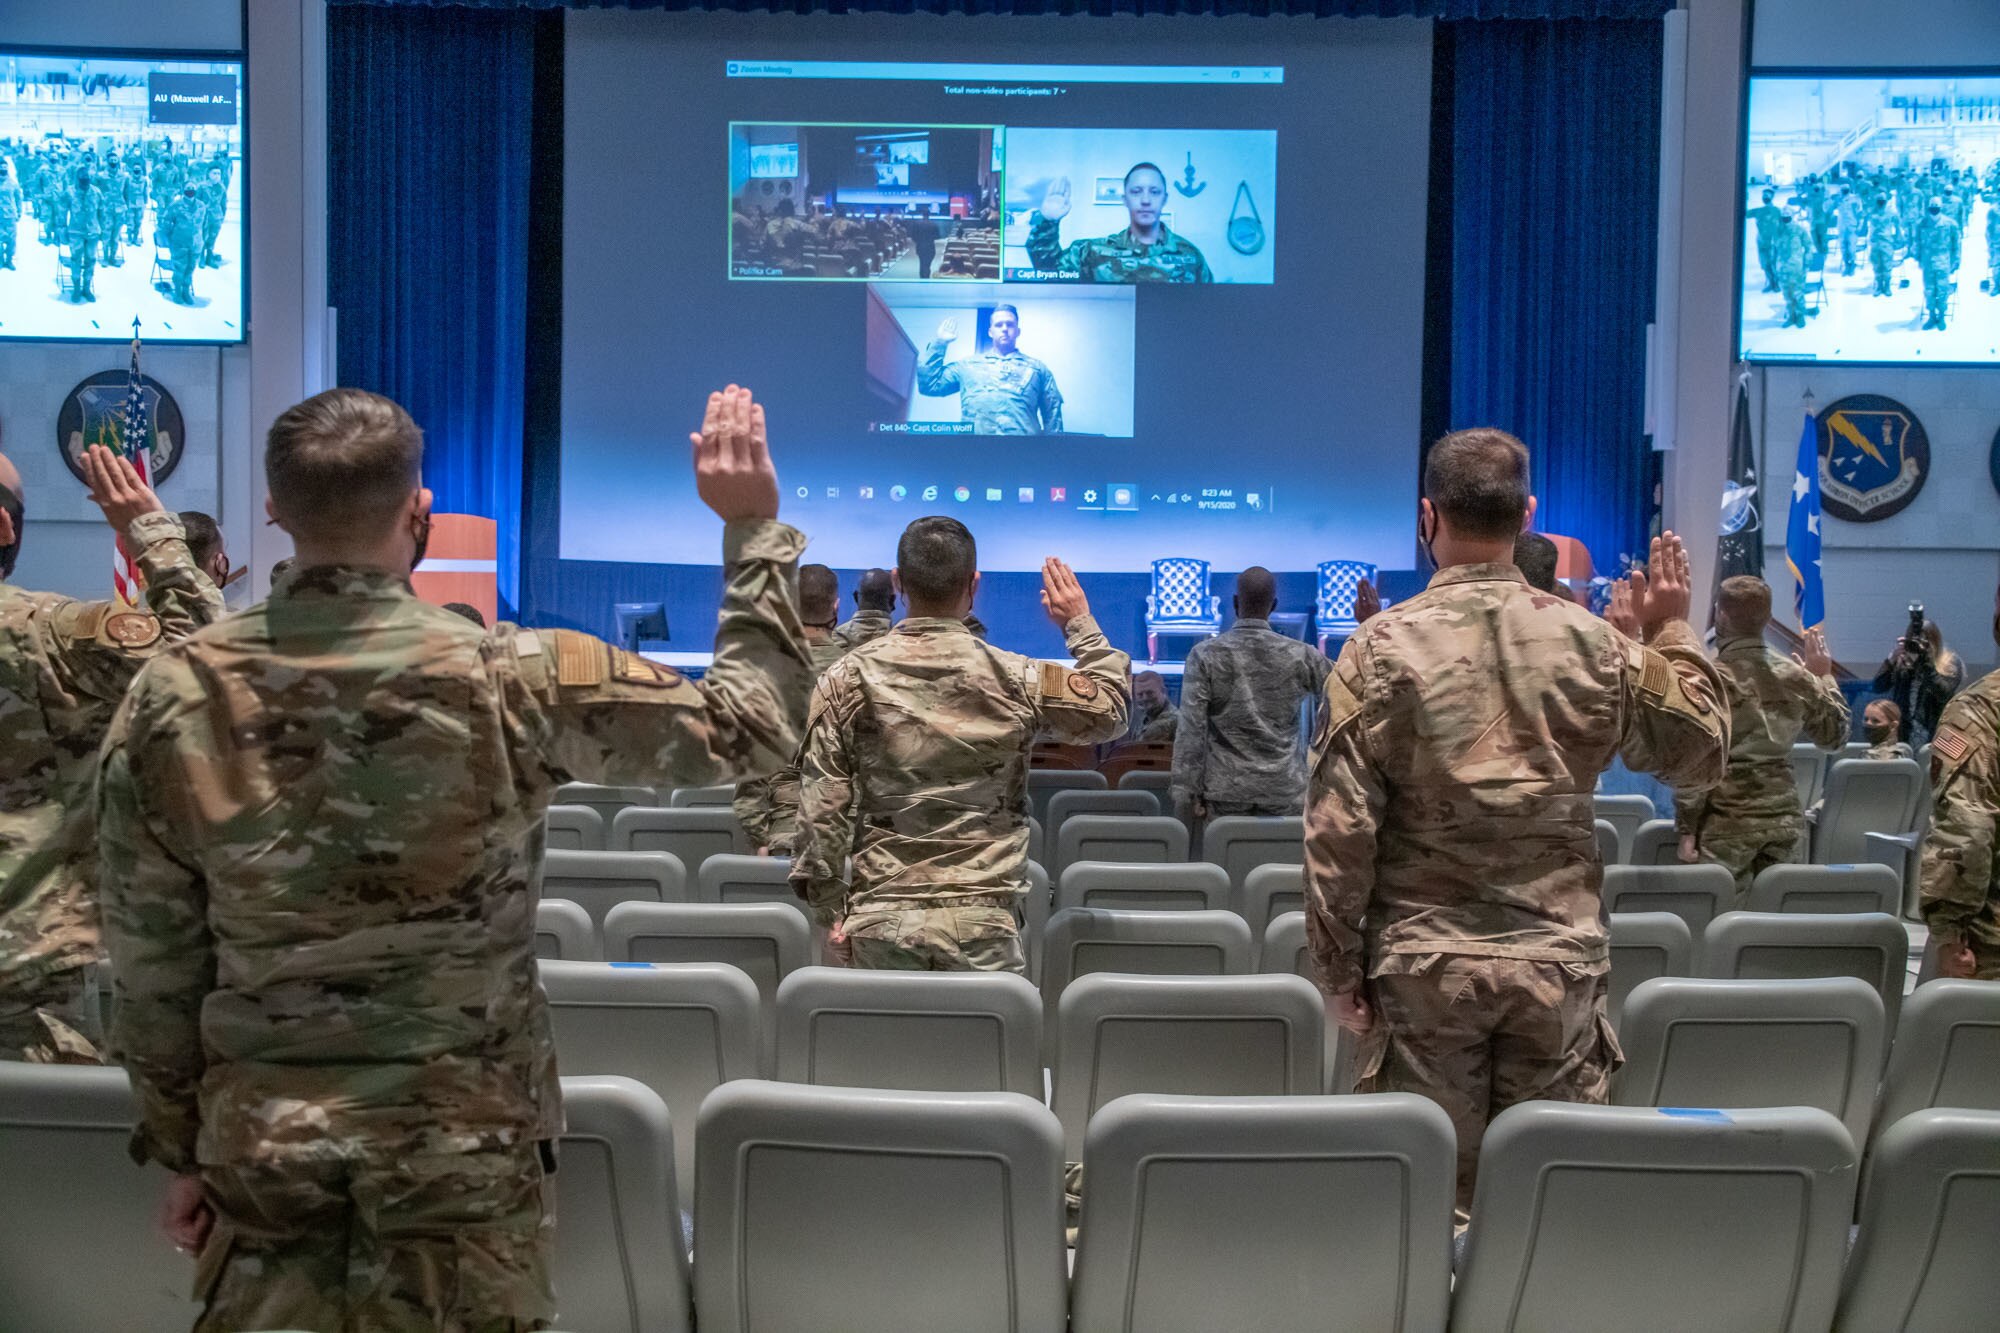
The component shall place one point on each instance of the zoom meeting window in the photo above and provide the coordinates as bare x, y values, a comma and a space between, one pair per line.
1065, 295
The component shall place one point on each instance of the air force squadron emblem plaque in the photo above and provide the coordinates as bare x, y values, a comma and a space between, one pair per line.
1873, 458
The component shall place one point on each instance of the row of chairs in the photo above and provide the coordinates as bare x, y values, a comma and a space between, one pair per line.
907, 1212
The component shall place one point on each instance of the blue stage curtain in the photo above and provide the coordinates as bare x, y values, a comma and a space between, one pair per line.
1555, 186
1428, 9
428, 171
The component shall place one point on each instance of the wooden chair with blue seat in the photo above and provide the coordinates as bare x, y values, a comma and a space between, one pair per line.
1180, 603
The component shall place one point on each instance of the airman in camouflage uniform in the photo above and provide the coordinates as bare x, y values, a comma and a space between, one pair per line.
1885, 237
1769, 219
768, 808
1144, 251
10, 213
1754, 819
1452, 883
874, 607
64, 665
1789, 249
916, 758
1154, 717
1001, 392
320, 825
1960, 895
1937, 251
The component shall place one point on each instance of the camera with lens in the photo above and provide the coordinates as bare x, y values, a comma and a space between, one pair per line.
1914, 641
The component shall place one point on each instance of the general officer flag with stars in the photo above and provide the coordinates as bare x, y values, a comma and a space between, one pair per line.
1803, 535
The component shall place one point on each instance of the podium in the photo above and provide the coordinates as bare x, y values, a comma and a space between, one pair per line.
461, 564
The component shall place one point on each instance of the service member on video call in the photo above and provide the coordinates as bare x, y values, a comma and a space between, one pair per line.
1001, 392
1144, 250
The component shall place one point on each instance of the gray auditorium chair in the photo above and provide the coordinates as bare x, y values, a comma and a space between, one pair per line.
1655, 844
1129, 886
1086, 801
693, 834
1842, 888
1038, 845
922, 1031
563, 930
1903, 853
1865, 796
1923, 1260
1210, 1213
573, 828
1044, 783
1247, 1036
681, 1029
1285, 950
1032, 914
1149, 839
620, 1262
607, 801
1241, 843
748, 879
768, 941
1156, 781
894, 1212
1872, 946
701, 798
1593, 1218
1946, 1052
1729, 1044
1267, 893
1645, 945
1627, 814
599, 881
1082, 940
1808, 768
1609, 852
82, 1249
1696, 894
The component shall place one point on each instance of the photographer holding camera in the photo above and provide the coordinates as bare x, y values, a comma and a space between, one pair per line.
1920, 675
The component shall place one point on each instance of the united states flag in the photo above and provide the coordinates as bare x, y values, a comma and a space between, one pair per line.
136, 442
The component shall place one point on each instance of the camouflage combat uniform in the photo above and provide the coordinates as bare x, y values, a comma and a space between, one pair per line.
321, 822
768, 808
1960, 898
865, 625
998, 393
1159, 726
1754, 818
1238, 748
64, 665
916, 757
1937, 250
1450, 862
1116, 258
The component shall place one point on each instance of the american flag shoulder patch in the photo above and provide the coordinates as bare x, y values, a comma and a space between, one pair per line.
1951, 743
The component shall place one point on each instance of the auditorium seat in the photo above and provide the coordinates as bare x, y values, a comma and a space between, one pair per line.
1038, 850
1285, 949
1946, 1052
1608, 850
1730, 1044
1696, 894
573, 828
1212, 1213
894, 1212
607, 801
1160, 783
1627, 814
1032, 915
1645, 945
1594, 1218
748, 879
1808, 767
1903, 853
681, 1030
1044, 783
1241, 843
1822, 889
1080, 801
1182, 887
81, 1248
599, 881
621, 1263
921, 1031
1923, 1260
693, 835
1267, 893
1237, 1036
1865, 796
768, 941
1082, 940
701, 798
1656, 844
563, 930
1151, 839
1871, 946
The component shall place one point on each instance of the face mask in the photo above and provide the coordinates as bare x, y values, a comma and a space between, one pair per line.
11, 502
423, 535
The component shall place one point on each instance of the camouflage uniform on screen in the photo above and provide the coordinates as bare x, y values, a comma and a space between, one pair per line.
1853, 221
179, 229
1753, 819
64, 665
1992, 247
1960, 898
1238, 747
916, 757
999, 393
82, 228
1118, 257
1788, 250
214, 199
113, 202
865, 625
1769, 219
135, 202
1885, 237
1450, 860
10, 218
320, 824
768, 808
1937, 249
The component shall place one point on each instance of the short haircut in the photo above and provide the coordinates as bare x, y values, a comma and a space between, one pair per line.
1256, 592
876, 591
936, 559
468, 610
1143, 166
819, 595
342, 462
204, 536
1009, 309
1535, 557
1742, 605
1477, 480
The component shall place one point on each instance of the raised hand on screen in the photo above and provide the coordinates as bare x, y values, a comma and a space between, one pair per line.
1055, 202
732, 458
947, 331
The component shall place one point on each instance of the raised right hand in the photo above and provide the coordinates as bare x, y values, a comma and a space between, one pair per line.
948, 331
1062, 595
116, 489
1816, 658
1620, 614
732, 458
1055, 201
1664, 592
1366, 601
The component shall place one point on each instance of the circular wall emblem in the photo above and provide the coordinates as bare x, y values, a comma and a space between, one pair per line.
1993, 461
1873, 458
94, 413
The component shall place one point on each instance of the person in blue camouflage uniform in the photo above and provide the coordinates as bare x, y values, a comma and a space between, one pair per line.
1144, 251
1937, 249
1001, 392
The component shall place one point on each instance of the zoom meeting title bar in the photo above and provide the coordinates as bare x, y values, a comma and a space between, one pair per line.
872, 69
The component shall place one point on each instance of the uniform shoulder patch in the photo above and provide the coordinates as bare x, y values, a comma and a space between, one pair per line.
1655, 676
80, 621
1951, 743
130, 629
636, 670
1082, 686
580, 659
